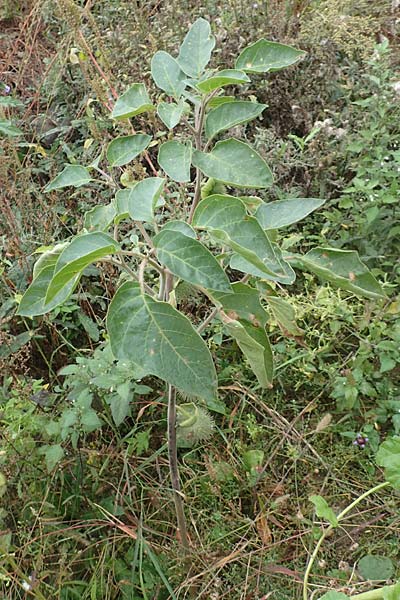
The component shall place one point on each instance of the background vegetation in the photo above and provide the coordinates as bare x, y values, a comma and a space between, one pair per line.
86, 509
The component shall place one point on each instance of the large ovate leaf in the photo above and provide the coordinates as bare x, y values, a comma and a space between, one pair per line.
388, 457
170, 113
175, 159
187, 258
234, 163
167, 74
226, 219
140, 201
342, 268
374, 567
254, 343
196, 48
243, 304
33, 301
231, 114
48, 258
264, 56
282, 213
80, 253
100, 217
220, 79
132, 102
161, 341
125, 148
72, 175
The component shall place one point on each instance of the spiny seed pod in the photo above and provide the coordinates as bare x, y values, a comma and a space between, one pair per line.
194, 423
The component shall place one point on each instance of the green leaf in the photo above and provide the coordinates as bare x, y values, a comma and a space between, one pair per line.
100, 217
285, 315
167, 74
375, 568
388, 456
180, 226
125, 148
48, 258
226, 219
231, 114
334, 596
254, 343
15, 343
220, 79
175, 159
282, 213
140, 201
323, 510
133, 102
234, 163
342, 268
161, 341
170, 113
264, 56
10, 102
243, 304
187, 258
52, 455
33, 301
81, 252
9, 129
89, 326
391, 592
72, 175
196, 48
218, 100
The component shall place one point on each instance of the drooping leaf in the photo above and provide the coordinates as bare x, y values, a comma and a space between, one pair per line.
282, 213
247, 264
140, 201
264, 56
81, 252
342, 268
180, 226
100, 217
161, 341
285, 315
323, 510
231, 114
196, 48
375, 568
243, 304
48, 258
167, 74
234, 163
175, 159
170, 113
33, 301
8, 129
388, 457
254, 343
220, 79
226, 219
125, 148
132, 102
187, 258
72, 175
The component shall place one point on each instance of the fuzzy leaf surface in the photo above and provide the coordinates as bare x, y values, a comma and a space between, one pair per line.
234, 163
33, 301
231, 114
388, 457
190, 260
72, 175
282, 213
125, 148
196, 48
140, 201
167, 74
243, 304
264, 56
161, 341
175, 159
132, 102
170, 113
222, 78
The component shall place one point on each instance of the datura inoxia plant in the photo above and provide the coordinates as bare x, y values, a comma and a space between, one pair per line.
195, 222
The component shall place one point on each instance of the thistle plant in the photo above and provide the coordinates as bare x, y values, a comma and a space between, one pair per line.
194, 222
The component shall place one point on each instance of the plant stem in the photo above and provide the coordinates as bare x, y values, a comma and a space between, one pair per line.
173, 467
329, 529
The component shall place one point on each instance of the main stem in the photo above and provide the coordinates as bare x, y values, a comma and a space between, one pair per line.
173, 467
328, 530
